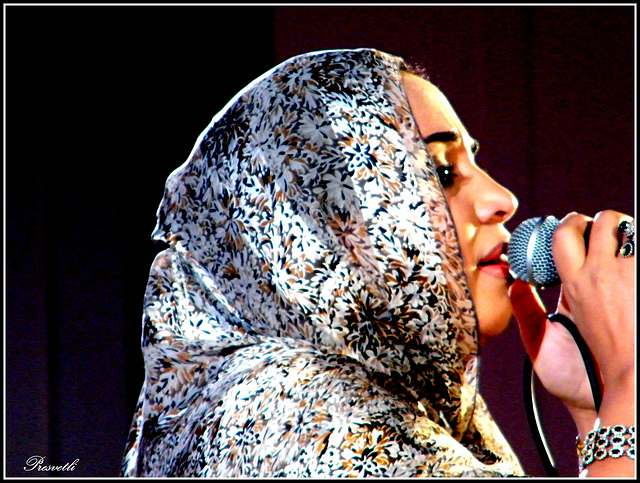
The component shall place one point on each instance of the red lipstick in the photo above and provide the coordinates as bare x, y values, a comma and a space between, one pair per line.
496, 263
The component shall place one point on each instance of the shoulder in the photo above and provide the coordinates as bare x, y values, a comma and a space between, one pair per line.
318, 415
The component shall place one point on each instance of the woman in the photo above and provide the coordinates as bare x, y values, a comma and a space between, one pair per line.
333, 251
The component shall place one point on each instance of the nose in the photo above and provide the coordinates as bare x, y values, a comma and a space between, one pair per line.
496, 204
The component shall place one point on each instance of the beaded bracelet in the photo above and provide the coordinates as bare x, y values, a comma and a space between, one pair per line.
614, 441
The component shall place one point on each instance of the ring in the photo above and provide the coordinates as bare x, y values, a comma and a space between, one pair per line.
627, 229
627, 249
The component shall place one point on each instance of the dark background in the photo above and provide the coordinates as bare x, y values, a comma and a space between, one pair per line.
102, 103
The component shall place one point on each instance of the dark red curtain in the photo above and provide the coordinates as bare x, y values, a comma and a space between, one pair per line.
102, 103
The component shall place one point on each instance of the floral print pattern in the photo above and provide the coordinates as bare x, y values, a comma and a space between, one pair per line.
310, 316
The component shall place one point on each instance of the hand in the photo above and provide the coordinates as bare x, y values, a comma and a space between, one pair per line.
598, 291
598, 295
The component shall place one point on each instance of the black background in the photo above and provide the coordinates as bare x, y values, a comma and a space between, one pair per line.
103, 102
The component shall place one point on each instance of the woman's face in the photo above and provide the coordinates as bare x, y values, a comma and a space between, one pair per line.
479, 205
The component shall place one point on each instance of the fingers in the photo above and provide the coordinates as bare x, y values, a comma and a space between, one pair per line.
569, 248
530, 314
605, 237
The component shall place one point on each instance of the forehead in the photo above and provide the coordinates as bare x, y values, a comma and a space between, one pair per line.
430, 107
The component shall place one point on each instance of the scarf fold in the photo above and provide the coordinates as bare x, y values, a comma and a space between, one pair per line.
311, 316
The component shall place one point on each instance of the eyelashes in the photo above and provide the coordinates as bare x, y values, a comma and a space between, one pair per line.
446, 175
446, 170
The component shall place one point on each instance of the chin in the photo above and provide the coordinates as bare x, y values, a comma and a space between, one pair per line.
494, 316
493, 306
492, 332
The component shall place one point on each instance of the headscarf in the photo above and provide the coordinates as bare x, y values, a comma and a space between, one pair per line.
311, 316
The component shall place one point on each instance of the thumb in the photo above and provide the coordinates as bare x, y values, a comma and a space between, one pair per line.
530, 314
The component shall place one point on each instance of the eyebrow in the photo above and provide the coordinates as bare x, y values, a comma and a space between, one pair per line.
447, 137
442, 137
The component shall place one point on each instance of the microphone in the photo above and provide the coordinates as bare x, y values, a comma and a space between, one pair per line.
529, 252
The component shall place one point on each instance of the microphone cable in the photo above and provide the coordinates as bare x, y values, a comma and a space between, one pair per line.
530, 397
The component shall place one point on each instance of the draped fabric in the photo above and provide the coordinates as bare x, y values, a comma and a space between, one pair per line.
311, 316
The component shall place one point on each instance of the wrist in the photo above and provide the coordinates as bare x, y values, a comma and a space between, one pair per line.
618, 405
619, 379
607, 451
584, 419
617, 411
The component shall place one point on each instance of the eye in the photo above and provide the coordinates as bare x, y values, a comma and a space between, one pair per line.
446, 175
475, 147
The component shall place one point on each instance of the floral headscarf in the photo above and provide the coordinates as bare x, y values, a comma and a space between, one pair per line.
311, 316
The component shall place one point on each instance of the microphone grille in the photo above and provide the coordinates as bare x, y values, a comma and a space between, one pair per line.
530, 255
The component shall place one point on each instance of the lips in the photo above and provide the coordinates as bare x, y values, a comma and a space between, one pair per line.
496, 263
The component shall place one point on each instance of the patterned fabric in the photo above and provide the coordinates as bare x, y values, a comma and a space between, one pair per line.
311, 316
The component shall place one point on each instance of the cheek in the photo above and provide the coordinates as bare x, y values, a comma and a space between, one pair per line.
465, 229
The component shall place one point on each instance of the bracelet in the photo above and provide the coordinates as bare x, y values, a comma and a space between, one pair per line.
614, 442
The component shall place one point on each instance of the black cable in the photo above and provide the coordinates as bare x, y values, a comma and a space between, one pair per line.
530, 396
589, 364
533, 419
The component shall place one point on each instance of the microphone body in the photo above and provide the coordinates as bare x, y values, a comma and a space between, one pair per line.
530, 254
